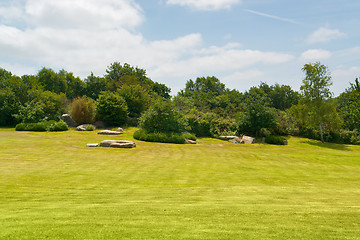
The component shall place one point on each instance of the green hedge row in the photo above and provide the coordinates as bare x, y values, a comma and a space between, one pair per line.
51, 126
277, 140
163, 137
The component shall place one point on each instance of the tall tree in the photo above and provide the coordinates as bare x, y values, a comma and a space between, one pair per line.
315, 88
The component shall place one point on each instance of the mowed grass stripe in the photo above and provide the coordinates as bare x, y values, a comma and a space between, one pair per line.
53, 187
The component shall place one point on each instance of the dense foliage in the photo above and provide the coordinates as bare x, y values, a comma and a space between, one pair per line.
112, 109
163, 137
82, 110
205, 107
163, 117
51, 126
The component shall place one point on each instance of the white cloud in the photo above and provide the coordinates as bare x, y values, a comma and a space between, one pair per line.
205, 4
84, 14
315, 55
47, 41
324, 35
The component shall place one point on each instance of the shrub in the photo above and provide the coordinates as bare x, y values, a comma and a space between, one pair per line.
277, 140
43, 105
163, 137
42, 126
222, 126
82, 110
137, 99
111, 108
199, 123
58, 126
89, 128
163, 117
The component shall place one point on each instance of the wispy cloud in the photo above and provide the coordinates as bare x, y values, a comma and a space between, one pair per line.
272, 16
325, 34
205, 4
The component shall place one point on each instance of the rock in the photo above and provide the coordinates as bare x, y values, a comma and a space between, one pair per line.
83, 127
122, 145
109, 132
120, 130
248, 139
92, 145
68, 120
227, 138
286, 142
189, 141
236, 140
117, 144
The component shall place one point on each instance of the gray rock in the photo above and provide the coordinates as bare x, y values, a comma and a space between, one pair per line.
83, 127
248, 139
117, 144
109, 132
92, 145
68, 120
189, 141
236, 140
120, 130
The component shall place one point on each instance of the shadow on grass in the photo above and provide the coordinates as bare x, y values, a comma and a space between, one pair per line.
334, 146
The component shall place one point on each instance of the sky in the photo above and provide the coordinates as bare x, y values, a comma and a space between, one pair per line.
241, 42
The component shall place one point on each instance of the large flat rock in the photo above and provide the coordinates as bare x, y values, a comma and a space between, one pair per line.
118, 144
109, 132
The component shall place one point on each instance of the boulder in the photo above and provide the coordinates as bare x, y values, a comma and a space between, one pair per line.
247, 139
109, 132
92, 145
236, 140
68, 120
117, 144
189, 141
83, 127
120, 130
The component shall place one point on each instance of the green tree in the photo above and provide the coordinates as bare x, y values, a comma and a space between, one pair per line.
348, 104
75, 87
256, 113
9, 105
94, 86
52, 81
42, 105
162, 116
162, 90
315, 89
137, 99
111, 108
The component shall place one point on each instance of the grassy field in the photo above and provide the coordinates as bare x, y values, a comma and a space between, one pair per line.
53, 187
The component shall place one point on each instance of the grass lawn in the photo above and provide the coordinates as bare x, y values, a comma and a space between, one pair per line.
53, 187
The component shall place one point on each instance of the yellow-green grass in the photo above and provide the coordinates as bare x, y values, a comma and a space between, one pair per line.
53, 187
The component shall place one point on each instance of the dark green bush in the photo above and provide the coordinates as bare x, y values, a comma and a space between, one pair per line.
277, 140
58, 126
163, 137
163, 117
42, 126
112, 109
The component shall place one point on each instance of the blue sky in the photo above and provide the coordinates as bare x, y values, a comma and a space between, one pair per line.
242, 42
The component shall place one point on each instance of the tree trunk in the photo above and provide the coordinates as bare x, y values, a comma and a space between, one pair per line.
321, 131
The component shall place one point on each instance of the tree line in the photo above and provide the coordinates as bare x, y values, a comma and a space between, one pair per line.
205, 107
